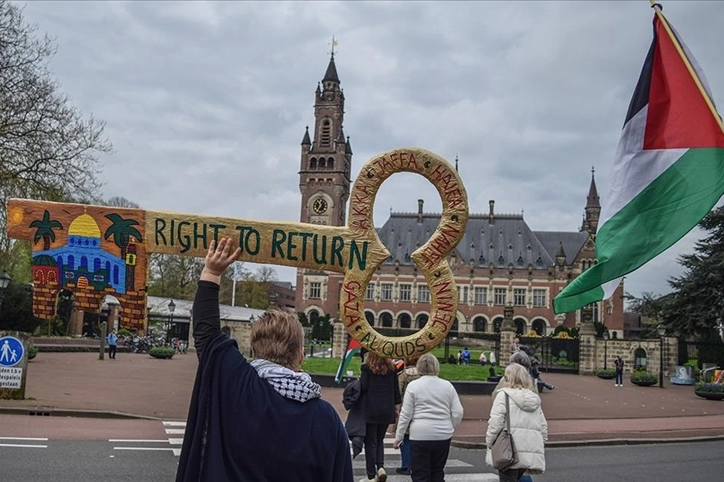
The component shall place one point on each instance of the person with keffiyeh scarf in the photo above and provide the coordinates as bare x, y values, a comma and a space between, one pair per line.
264, 420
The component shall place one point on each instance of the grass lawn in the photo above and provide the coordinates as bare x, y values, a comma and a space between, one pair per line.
447, 371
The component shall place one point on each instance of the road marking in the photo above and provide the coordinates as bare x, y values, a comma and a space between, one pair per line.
25, 446
30, 439
174, 424
176, 452
136, 441
175, 431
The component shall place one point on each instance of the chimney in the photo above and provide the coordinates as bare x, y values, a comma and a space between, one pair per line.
420, 202
491, 214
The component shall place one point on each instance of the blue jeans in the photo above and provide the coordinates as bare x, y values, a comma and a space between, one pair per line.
405, 452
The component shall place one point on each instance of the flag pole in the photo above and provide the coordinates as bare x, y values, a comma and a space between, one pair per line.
689, 67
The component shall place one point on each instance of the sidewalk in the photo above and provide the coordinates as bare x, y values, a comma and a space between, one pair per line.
581, 410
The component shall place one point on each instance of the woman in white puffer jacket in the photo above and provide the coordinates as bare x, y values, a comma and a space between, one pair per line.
528, 425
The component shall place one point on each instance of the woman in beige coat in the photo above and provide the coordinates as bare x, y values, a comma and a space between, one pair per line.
528, 425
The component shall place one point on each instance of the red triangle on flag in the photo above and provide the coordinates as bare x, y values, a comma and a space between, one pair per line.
678, 115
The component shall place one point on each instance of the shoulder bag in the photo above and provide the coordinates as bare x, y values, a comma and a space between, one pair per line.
503, 449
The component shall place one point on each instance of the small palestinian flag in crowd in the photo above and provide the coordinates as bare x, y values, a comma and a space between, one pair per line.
353, 347
668, 172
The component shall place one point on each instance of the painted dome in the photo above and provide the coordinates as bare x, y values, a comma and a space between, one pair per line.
84, 225
44, 260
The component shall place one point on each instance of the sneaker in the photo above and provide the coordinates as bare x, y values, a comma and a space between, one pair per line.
402, 471
381, 475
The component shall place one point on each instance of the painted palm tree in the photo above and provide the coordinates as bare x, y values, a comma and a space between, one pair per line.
122, 231
44, 230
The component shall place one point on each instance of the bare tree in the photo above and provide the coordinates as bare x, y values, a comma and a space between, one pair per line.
48, 149
120, 202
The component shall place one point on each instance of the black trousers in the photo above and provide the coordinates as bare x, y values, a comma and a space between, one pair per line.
619, 377
510, 475
374, 448
112, 351
428, 458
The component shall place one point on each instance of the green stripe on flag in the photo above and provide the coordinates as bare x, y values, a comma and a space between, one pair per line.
654, 220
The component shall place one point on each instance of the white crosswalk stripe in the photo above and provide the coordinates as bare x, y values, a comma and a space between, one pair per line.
23, 442
392, 460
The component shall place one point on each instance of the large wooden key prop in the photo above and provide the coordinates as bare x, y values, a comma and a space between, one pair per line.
98, 250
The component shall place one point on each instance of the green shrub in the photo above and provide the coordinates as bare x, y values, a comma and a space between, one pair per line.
32, 350
710, 387
124, 332
161, 352
607, 374
643, 376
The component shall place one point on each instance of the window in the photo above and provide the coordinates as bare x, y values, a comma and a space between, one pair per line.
481, 295
315, 290
386, 292
423, 294
463, 294
539, 297
519, 296
405, 290
326, 135
499, 295
370, 293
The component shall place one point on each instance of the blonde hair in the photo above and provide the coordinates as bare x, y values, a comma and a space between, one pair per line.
516, 376
278, 336
428, 365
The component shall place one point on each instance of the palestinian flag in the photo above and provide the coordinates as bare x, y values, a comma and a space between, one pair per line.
353, 347
667, 175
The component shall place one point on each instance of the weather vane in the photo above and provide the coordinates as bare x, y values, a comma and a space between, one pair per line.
334, 44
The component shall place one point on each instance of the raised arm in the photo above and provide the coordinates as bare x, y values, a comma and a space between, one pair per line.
207, 322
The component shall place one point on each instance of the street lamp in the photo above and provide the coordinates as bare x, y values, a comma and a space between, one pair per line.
4, 283
661, 330
606, 335
171, 308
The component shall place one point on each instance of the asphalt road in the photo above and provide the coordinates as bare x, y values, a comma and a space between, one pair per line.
79, 450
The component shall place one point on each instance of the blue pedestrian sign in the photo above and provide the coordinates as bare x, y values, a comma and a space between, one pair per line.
11, 351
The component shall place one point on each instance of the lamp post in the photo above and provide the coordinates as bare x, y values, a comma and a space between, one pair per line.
4, 283
171, 308
606, 335
661, 330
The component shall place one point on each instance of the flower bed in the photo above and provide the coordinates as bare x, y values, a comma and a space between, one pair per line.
643, 378
161, 352
710, 391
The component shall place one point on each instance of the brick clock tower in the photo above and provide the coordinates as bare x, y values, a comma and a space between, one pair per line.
324, 181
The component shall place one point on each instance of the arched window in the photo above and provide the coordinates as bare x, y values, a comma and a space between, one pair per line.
108, 268
496, 324
84, 262
480, 324
313, 317
405, 320
326, 137
454, 325
386, 320
313, 163
520, 326
226, 331
322, 163
96, 265
421, 320
115, 275
539, 326
330, 163
53, 279
71, 261
370, 317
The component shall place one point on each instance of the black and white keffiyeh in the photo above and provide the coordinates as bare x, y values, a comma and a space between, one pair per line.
288, 383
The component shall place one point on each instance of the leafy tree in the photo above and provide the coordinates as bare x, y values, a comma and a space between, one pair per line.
696, 305
174, 276
16, 313
48, 148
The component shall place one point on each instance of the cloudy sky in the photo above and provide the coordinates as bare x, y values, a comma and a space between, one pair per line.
206, 102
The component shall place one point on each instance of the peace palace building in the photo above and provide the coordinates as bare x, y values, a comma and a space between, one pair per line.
500, 260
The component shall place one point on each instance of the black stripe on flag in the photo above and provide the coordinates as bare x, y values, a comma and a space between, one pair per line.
641, 94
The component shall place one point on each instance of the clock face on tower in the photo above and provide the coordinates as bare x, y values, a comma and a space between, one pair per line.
319, 206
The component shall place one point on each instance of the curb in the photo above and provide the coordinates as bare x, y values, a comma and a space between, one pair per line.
603, 442
67, 412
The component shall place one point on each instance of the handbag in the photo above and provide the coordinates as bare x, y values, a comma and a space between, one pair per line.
503, 449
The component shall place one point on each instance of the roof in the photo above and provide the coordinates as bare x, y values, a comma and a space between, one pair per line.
331, 74
508, 240
158, 306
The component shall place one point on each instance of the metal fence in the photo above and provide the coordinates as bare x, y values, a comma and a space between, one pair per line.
560, 355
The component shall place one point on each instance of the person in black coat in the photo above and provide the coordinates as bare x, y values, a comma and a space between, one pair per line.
381, 398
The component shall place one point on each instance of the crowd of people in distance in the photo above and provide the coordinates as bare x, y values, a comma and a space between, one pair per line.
242, 411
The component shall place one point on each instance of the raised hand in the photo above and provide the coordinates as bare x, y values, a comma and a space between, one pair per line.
218, 258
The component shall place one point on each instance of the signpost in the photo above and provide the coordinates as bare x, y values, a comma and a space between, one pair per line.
13, 364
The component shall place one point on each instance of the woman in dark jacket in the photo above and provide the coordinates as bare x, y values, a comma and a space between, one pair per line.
381, 396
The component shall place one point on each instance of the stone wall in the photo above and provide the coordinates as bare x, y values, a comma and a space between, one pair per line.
605, 352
